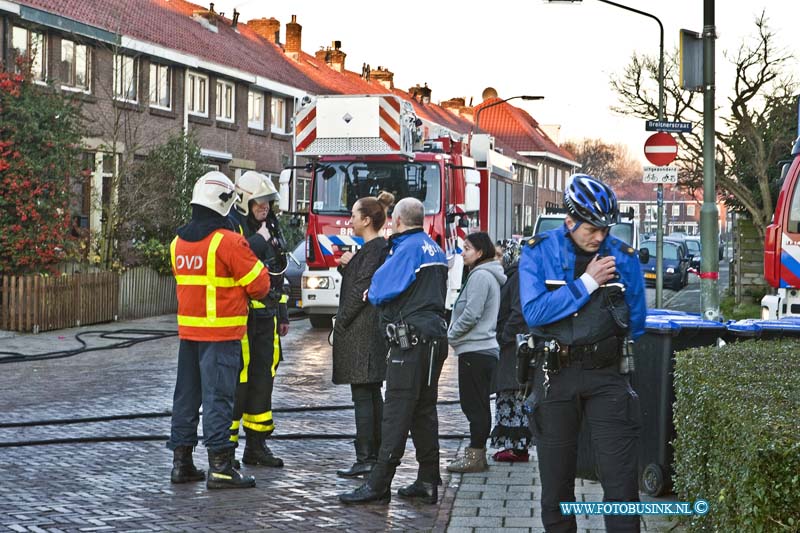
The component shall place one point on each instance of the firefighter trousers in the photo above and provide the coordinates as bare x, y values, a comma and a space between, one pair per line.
611, 408
410, 405
261, 354
207, 375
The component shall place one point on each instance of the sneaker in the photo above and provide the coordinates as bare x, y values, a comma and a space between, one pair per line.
511, 456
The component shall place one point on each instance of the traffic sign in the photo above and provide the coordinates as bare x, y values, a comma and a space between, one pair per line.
673, 127
660, 149
659, 174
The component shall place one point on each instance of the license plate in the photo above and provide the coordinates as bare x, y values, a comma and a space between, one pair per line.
299, 304
649, 275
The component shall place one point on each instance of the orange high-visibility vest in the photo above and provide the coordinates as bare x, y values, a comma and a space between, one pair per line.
216, 277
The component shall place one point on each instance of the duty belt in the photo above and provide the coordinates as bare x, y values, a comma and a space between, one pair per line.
596, 355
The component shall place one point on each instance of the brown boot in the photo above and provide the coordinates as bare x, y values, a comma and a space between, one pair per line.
474, 460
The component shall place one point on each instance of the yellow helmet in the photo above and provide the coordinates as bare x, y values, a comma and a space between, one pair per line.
254, 186
215, 191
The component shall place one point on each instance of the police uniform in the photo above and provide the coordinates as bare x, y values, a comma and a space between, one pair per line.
588, 330
261, 346
409, 289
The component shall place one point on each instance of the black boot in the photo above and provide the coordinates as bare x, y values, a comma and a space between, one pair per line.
426, 492
366, 494
256, 451
222, 474
183, 469
363, 464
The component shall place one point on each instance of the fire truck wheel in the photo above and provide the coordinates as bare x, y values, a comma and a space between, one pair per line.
320, 321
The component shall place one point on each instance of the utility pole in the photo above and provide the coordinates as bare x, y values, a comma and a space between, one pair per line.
709, 213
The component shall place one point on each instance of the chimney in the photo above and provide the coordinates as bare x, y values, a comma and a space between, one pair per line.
384, 76
421, 94
454, 104
269, 29
332, 56
293, 38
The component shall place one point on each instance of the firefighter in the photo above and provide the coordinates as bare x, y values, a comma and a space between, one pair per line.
268, 321
582, 294
216, 276
409, 289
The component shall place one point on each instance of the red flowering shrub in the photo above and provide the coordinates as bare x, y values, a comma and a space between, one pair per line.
40, 134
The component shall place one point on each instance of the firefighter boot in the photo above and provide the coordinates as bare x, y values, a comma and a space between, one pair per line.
222, 474
364, 460
183, 469
257, 453
474, 460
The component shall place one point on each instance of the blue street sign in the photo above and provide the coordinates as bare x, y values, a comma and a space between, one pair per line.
671, 127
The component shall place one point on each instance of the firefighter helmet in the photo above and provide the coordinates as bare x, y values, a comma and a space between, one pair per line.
215, 191
589, 200
254, 186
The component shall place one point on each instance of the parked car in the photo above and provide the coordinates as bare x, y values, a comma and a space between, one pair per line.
293, 274
675, 264
625, 230
695, 250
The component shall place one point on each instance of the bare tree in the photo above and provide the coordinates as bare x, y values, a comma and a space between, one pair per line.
758, 123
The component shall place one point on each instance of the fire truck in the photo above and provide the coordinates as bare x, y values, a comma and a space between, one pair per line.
359, 146
782, 243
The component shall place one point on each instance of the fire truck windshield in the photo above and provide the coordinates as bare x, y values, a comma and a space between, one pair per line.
337, 185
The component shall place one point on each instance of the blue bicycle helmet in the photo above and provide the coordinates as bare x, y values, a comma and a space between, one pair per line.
589, 200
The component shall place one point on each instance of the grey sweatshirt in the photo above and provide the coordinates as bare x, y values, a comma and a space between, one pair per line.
474, 319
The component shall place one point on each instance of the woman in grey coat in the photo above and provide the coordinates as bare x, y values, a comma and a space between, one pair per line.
359, 348
472, 336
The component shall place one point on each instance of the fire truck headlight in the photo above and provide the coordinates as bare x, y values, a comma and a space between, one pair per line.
670, 270
317, 282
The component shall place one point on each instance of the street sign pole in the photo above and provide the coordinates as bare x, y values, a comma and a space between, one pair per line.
660, 149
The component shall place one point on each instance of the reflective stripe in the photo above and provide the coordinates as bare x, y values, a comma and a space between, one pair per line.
234, 431
258, 427
211, 273
172, 246
252, 275
276, 347
284, 299
245, 359
256, 304
203, 322
205, 280
266, 416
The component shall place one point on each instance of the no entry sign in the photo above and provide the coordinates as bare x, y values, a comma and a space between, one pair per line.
660, 149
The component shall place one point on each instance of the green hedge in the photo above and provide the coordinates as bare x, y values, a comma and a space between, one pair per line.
737, 417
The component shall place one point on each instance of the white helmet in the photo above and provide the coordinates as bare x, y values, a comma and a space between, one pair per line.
254, 186
215, 191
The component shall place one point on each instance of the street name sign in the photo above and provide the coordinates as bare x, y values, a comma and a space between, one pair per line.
660, 149
672, 127
659, 174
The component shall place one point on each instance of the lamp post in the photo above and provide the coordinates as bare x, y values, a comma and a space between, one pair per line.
660, 194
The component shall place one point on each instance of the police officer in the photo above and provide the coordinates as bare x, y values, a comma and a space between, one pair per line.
216, 276
409, 288
582, 293
255, 218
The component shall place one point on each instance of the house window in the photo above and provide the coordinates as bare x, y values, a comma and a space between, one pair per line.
76, 65
278, 115
225, 100
31, 45
559, 178
255, 110
160, 86
528, 216
690, 210
126, 73
197, 94
552, 182
676, 210
530, 176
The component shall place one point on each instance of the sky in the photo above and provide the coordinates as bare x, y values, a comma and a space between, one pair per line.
565, 52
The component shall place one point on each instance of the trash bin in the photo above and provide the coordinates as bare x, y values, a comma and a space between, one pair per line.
741, 330
654, 357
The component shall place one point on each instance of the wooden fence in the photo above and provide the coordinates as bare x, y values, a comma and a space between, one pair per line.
143, 292
42, 303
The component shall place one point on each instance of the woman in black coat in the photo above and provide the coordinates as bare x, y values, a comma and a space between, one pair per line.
511, 432
359, 347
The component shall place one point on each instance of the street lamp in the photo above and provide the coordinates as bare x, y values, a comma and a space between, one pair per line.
660, 196
478, 114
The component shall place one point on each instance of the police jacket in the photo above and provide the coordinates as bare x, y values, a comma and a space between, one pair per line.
549, 291
271, 253
412, 284
216, 274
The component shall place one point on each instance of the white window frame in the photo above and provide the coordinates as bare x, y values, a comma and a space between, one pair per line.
277, 117
72, 77
303, 200
690, 210
676, 210
551, 183
226, 108
559, 178
126, 78
196, 94
36, 41
255, 109
157, 81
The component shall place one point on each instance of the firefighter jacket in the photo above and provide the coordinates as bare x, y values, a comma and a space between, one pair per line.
549, 292
411, 285
272, 254
216, 275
